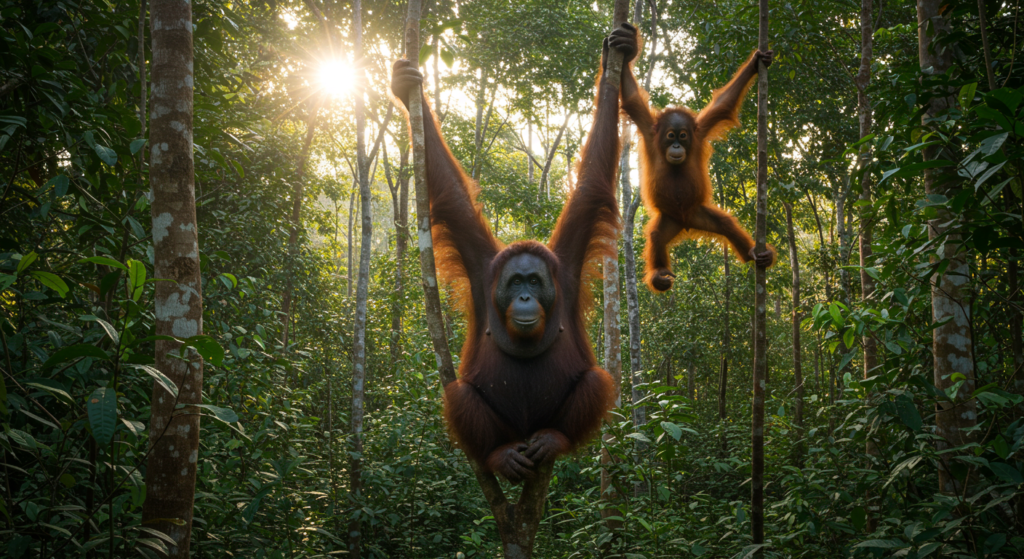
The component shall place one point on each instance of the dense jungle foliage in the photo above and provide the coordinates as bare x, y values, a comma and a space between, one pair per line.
856, 475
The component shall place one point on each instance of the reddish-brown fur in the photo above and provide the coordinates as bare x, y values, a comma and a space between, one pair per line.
502, 402
678, 197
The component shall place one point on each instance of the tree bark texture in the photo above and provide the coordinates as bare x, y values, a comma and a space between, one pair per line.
612, 364
760, 293
798, 375
952, 342
428, 269
362, 290
632, 298
174, 438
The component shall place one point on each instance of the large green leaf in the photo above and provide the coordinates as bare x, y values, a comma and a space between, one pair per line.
136, 278
160, 378
72, 351
102, 408
207, 347
908, 413
226, 415
51, 281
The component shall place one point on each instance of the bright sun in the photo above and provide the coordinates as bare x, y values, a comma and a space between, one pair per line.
336, 77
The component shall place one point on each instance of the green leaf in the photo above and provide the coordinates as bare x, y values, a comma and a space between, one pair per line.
53, 387
7, 280
102, 407
105, 154
51, 281
207, 347
448, 57
858, 517
136, 278
966, 96
1000, 447
908, 413
882, 544
60, 185
136, 145
26, 261
226, 415
848, 337
159, 378
107, 327
672, 429
992, 143
1006, 472
72, 351
104, 261
229, 280
837, 317
639, 437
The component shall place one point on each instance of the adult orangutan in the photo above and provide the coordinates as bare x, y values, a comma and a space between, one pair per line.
675, 145
529, 388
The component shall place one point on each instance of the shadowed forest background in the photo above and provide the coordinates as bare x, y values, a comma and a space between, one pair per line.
897, 241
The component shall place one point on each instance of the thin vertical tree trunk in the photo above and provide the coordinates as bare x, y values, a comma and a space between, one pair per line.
550, 157
174, 438
437, 76
481, 99
952, 342
691, 386
798, 376
529, 151
293, 234
723, 371
864, 116
612, 364
362, 290
631, 203
760, 277
867, 283
351, 219
428, 270
401, 218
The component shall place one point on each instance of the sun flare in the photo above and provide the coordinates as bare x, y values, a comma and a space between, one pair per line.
336, 77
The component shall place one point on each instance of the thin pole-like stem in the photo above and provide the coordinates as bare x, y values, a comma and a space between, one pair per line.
428, 269
760, 293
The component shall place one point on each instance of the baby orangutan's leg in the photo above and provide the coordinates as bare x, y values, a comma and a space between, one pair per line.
661, 231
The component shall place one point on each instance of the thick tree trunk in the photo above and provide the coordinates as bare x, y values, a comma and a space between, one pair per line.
293, 234
798, 376
952, 342
174, 438
760, 292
